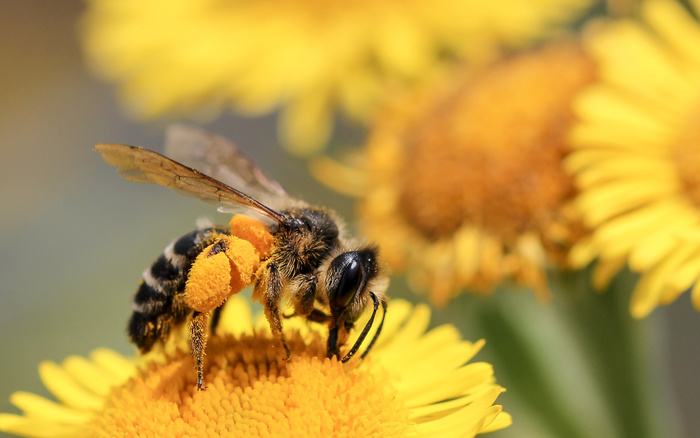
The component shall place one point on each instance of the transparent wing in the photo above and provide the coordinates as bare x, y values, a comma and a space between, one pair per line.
146, 166
222, 160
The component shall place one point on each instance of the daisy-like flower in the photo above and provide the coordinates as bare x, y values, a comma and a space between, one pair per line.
306, 57
462, 184
637, 154
252, 391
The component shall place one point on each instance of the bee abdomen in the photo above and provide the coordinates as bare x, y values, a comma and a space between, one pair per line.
156, 306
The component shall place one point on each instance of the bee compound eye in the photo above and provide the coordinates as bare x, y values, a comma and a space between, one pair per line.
350, 278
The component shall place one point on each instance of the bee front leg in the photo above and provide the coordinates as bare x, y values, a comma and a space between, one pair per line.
199, 334
271, 296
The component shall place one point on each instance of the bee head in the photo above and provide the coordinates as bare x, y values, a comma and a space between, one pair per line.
348, 282
313, 222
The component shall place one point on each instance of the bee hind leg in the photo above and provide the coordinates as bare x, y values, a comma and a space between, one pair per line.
199, 334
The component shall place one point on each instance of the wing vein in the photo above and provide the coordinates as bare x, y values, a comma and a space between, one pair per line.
143, 165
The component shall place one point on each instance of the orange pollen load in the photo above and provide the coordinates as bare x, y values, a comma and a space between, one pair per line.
489, 152
215, 276
228, 265
255, 232
253, 391
686, 154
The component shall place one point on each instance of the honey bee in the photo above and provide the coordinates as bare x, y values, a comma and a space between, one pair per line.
310, 260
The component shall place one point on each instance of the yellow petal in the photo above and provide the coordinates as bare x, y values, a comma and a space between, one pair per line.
459, 424
605, 270
582, 253
687, 274
89, 375
624, 48
342, 178
305, 123
236, 317
416, 324
603, 106
401, 46
34, 427
674, 23
38, 407
460, 382
114, 363
645, 296
501, 421
65, 388
651, 250
601, 203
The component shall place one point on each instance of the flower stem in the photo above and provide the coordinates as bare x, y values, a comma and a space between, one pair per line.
620, 352
576, 366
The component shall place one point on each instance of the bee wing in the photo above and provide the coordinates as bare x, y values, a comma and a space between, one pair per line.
146, 166
222, 160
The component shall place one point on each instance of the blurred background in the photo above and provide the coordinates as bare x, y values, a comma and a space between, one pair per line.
74, 239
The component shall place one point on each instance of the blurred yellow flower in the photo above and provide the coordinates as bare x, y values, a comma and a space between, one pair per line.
637, 159
306, 57
462, 185
252, 391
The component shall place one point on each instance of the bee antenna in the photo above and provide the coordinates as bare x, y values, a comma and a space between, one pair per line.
379, 329
365, 330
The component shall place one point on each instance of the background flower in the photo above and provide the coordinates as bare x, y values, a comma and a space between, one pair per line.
462, 184
637, 154
306, 57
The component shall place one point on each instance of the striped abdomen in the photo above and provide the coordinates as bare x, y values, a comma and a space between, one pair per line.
158, 304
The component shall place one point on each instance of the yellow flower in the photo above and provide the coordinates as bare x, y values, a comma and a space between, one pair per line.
462, 185
306, 57
637, 159
252, 391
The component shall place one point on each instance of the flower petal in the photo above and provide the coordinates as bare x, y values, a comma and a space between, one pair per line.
68, 390
38, 407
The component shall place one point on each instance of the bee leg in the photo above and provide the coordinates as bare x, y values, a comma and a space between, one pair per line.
215, 318
306, 295
332, 342
198, 344
271, 302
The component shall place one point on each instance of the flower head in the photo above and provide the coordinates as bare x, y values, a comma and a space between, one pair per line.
253, 391
462, 185
636, 154
307, 57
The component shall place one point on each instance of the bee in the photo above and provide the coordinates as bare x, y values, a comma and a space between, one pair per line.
309, 260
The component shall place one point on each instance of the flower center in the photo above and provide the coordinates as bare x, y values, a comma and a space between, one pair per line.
686, 153
253, 391
489, 152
